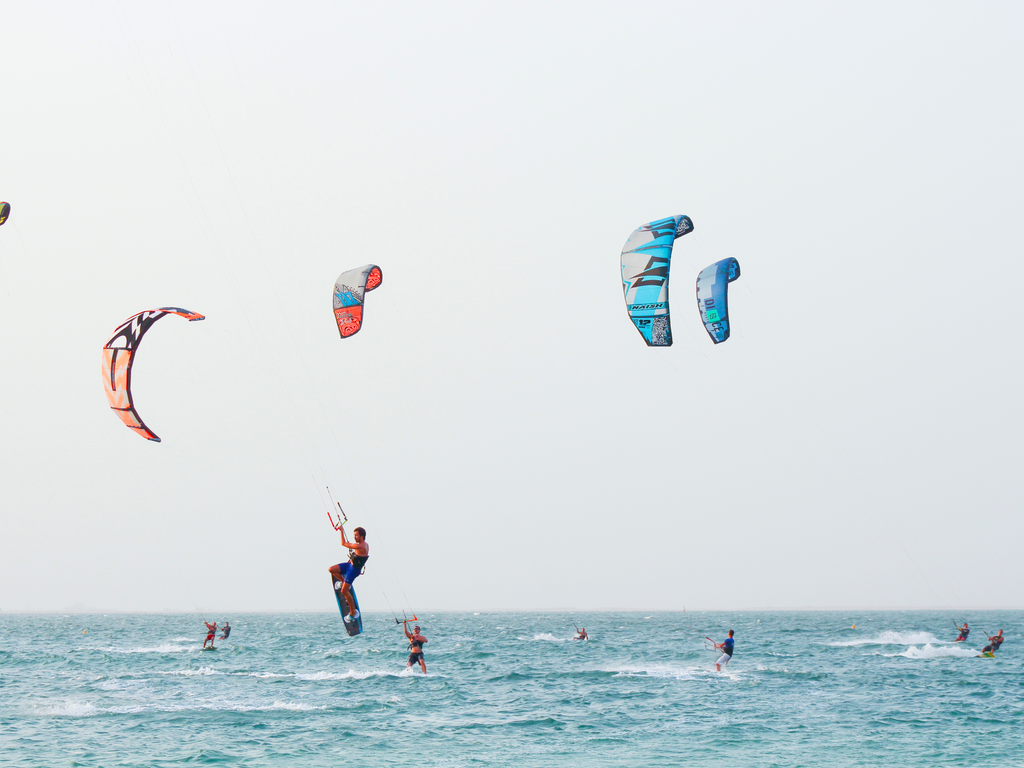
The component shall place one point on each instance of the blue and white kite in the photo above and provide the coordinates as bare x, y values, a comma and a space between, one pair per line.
646, 257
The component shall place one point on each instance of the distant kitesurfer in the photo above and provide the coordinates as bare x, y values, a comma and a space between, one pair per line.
726, 646
345, 573
416, 641
994, 642
964, 632
226, 629
581, 633
211, 632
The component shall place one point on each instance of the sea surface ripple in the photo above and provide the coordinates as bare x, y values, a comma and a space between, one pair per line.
804, 689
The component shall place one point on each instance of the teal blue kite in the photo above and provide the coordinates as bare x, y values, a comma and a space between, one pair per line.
713, 297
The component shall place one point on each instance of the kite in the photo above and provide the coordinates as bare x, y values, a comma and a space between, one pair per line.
713, 297
118, 356
645, 265
350, 291
5, 211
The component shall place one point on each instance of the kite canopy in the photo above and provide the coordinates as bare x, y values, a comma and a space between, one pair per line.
646, 257
118, 356
5, 211
713, 297
349, 293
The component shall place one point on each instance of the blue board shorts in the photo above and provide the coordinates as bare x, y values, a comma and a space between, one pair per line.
348, 572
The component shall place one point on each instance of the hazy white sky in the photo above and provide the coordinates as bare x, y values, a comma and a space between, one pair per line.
498, 425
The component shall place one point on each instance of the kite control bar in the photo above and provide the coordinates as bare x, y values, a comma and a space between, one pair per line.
342, 518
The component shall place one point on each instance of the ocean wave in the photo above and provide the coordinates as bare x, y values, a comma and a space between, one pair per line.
117, 684
223, 706
547, 636
890, 638
670, 671
86, 709
929, 651
268, 675
353, 674
793, 674
201, 672
165, 648
70, 709
293, 706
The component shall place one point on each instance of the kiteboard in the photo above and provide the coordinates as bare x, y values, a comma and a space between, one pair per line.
209, 648
352, 627
986, 655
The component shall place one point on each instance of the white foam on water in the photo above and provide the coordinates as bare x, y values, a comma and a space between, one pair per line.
671, 671
547, 636
929, 651
267, 675
890, 638
223, 706
201, 672
294, 706
117, 685
128, 710
353, 674
165, 648
70, 709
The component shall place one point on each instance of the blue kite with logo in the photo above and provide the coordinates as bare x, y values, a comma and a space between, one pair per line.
646, 258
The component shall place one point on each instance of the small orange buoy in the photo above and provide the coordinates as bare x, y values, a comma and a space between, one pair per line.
854, 626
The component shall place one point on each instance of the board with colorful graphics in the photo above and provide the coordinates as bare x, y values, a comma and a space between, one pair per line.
353, 627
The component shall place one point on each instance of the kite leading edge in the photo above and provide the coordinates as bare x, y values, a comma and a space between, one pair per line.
118, 357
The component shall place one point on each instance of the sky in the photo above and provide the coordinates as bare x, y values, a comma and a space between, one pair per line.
498, 425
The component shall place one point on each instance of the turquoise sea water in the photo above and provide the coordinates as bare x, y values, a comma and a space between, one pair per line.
804, 689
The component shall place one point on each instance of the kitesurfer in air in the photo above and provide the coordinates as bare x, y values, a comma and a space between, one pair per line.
993, 643
726, 646
964, 632
416, 641
211, 632
226, 630
345, 573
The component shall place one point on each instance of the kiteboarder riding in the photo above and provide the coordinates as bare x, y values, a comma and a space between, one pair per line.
345, 573
994, 642
416, 641
226, 630
726, 646
964, 632
211, 630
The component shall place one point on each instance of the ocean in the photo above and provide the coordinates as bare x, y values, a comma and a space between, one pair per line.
503, 689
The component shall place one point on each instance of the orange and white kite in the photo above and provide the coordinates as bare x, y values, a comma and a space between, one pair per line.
118, 356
